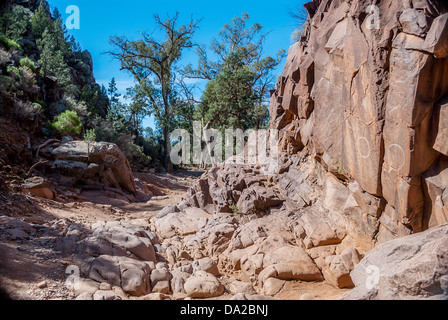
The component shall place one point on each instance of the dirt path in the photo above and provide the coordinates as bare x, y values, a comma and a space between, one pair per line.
31, 268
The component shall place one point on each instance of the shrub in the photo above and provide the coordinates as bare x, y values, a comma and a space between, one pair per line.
5, 85
41, 103
28, 63
26, 111
9, 44
24, 80
68, 123
5, 57
90, 136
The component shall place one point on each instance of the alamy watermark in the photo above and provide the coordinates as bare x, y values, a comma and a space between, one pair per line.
208, 146
73, 276
73, 21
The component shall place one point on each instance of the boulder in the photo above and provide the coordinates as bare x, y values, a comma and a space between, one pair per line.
436, 41
39, 187
241, 287
203, 285
411, 267
338, 268
206, 264
289, 263
273, 286
160, 281
129, 274
100, 160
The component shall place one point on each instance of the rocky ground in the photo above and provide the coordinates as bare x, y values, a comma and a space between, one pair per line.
43, 241
31, 266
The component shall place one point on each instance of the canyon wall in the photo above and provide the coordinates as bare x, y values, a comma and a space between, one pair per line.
365, 92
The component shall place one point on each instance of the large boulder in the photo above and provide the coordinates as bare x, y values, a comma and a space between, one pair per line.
203, 285
130, 274
412, 267
100, 162
39, 187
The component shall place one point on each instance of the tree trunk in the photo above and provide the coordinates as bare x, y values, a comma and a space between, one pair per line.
168, 164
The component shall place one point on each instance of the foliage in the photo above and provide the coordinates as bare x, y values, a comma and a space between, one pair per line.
235, 211
152, 62
40, 21
239, 80
114, 129
9, 43
114, 96
133, 152
90, 136
5, 86
137, 109
5, 57
52, 60
27, 111
23, 80
68, 102
28, 63
14, 22
230, 93
68, 123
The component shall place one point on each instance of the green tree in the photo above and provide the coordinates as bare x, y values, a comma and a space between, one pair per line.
52, 60
137, 109
59, 33
68, 123
89, 138
152, 63
114, 97
230, 94
240, 78
40, 21
14, 22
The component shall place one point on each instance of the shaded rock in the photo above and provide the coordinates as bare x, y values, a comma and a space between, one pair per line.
105, 295
129, 274
436, 41
109, 164
39, 187
178, 279
413, 22
257, 297
289, 263
257, 199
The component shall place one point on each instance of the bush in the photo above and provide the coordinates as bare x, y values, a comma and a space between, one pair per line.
41, 103
67, 123
90, 136
134, 153
9, 44
26, 111
113, 129
5, 57
24, 80
28, 63
5, 85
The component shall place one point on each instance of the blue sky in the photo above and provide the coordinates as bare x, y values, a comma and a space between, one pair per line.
101, 19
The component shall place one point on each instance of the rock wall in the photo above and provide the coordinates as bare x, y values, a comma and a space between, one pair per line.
367, 98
